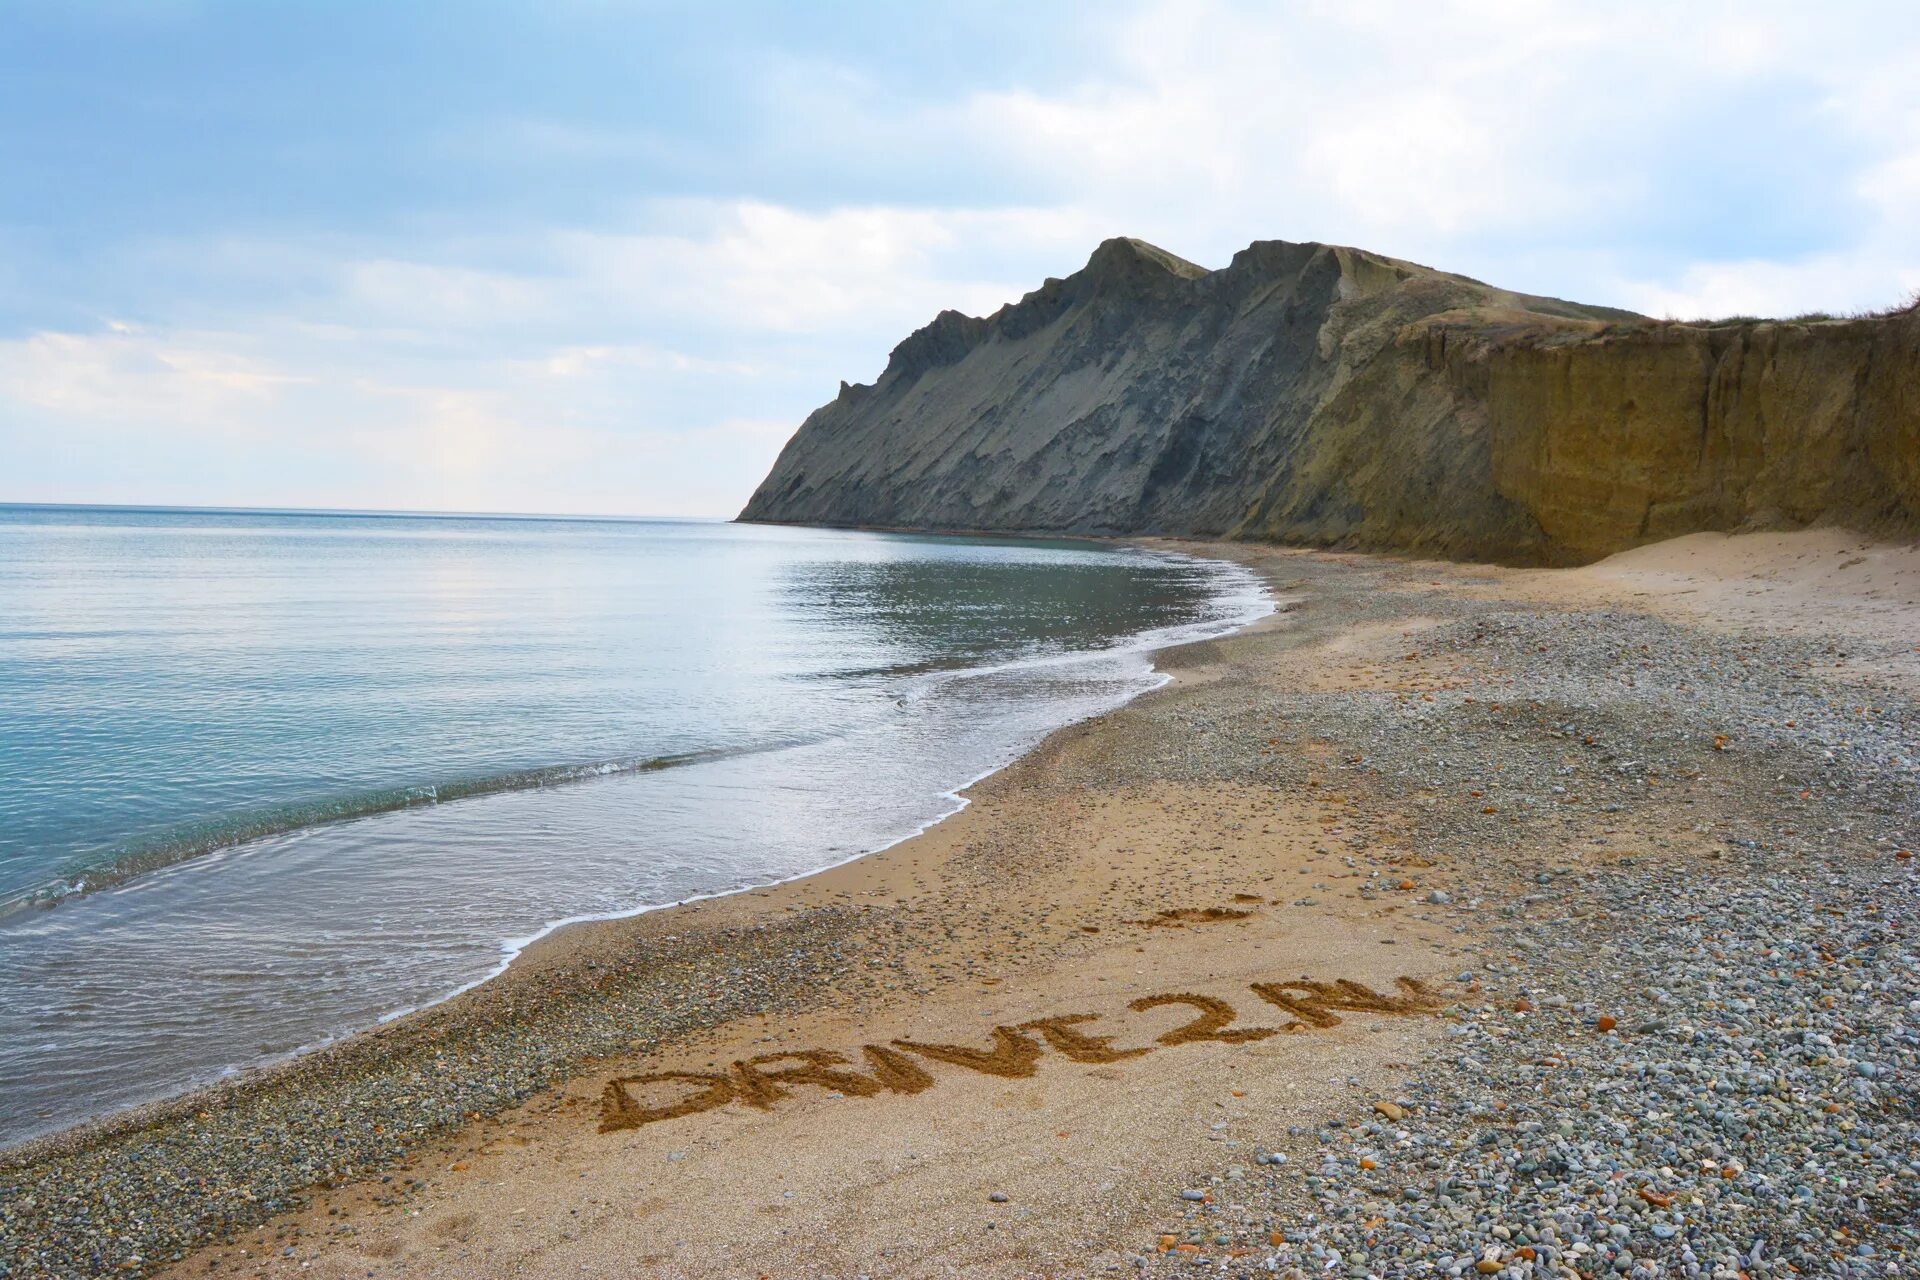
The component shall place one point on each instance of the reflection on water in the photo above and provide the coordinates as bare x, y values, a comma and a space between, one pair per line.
940, 613
192, 695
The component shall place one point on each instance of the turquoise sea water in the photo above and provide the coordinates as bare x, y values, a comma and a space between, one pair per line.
265, 778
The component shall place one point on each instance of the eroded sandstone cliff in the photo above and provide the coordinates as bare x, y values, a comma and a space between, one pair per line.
1312, 393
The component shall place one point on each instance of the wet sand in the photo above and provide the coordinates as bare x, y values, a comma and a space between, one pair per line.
1266, 819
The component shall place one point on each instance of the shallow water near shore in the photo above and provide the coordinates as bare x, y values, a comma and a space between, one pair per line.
267, 778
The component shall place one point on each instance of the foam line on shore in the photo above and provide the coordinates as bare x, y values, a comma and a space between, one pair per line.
1240, 600
1256, 602
202, 840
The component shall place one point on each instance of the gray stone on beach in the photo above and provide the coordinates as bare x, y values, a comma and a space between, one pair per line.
1753, 1107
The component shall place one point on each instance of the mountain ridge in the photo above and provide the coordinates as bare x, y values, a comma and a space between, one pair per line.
1328, 395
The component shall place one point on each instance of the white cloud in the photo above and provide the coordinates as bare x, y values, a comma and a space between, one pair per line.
1755, 287
125, 374
426, 295
1544, 146
463, 386
126, 399
750, 265
1685, 159
577, 362
1329, 121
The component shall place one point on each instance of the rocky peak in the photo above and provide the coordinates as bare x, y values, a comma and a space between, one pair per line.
1124, 258
948, 338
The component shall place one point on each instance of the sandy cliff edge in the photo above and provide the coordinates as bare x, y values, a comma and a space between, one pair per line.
1323, 395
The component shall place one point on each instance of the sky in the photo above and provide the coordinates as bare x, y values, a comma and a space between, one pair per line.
595, 256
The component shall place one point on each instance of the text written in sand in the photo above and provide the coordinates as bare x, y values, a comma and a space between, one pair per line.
1011, 1052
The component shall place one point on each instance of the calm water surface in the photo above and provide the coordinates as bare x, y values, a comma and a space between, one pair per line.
265, 778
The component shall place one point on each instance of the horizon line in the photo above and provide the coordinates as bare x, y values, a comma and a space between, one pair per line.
347, 512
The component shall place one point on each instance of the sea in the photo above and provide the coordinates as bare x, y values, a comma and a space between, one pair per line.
268, 778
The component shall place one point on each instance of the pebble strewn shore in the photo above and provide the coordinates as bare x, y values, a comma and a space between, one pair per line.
1692, 1045
1747, 1110
140, 1190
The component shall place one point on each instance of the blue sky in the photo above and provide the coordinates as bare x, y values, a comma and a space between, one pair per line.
603, 257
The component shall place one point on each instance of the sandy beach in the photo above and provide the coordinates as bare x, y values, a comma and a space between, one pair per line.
1455, 919
1229, 641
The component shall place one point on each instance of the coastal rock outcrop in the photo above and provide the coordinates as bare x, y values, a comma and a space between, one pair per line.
1318, 394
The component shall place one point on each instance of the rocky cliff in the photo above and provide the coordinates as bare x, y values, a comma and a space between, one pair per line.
1318, 394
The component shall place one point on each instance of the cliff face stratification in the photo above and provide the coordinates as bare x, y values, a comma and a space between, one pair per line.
1317, 394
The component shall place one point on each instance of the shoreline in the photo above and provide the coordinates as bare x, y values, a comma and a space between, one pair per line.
220, 836
957, 798
1233, 598
1249, 594
1163, 800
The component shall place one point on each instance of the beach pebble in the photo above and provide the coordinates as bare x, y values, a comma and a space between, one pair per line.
1744, 1112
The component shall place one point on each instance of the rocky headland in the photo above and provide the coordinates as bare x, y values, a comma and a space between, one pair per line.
1320, 395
